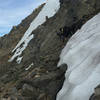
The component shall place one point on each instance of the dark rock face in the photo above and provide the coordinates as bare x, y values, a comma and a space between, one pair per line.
43, 80
43, 86
96, 94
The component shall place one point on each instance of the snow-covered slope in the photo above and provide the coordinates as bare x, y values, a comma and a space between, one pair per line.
50, 9
82, 55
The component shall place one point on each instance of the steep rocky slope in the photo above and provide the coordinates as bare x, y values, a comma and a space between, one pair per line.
43, 80
9, 41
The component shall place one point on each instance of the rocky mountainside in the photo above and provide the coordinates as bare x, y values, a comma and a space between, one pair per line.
37, 76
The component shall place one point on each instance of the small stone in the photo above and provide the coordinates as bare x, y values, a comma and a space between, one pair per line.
29, 91
63, 67
97, 90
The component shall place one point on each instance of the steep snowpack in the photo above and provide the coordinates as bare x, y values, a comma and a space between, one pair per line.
82, 55
50, 9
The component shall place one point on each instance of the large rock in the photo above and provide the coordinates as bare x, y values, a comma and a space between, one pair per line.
44, 85
96, 95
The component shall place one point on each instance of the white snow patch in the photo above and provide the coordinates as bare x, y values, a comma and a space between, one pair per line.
50, 9
21, 49
29, 67
19, 59
82, 55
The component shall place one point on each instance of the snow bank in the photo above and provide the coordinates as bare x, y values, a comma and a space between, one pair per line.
50, 9
82, 55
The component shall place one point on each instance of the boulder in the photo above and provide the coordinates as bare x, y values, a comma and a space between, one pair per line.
96, 94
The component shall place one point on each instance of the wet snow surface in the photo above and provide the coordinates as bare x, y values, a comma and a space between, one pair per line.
82, 55
50, 9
